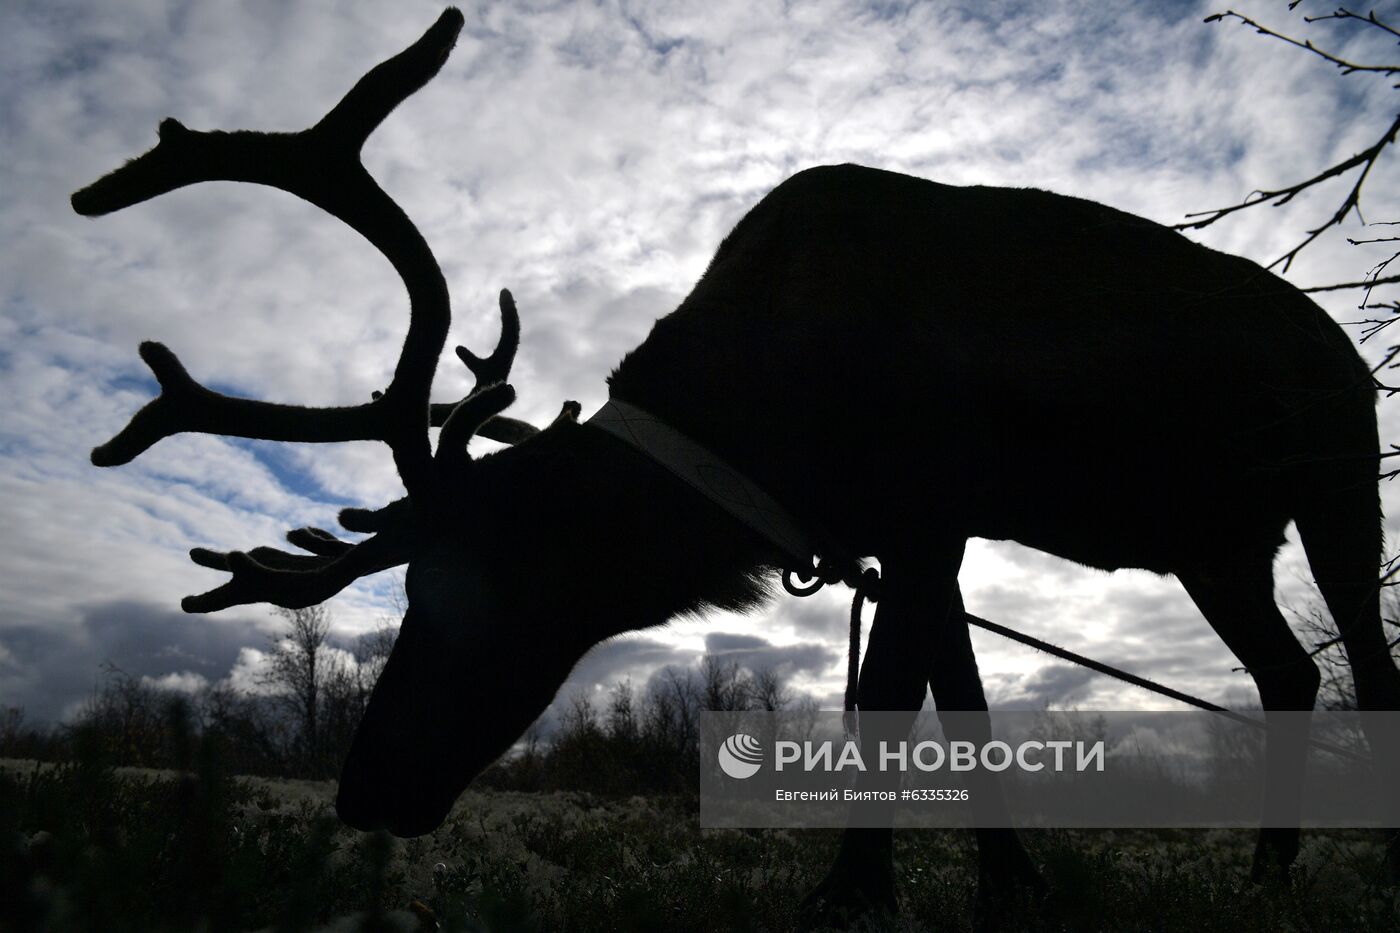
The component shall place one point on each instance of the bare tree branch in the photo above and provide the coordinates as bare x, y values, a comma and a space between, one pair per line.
1347, 67
1364, 283
1343, 13
1366, 159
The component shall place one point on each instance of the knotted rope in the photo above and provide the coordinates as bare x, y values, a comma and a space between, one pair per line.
866, 583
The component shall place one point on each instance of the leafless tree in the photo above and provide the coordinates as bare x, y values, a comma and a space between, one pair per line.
1358, 166
580, 715
674, 708
371, 651
804, 716
724, 686
124, 712
768, 690
254, 736
299, 668
622, 712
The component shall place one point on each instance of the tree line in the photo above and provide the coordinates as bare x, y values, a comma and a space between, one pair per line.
300, 717
308, 698
632, 741
297, 719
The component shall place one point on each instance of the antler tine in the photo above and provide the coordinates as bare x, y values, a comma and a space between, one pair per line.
506, 429
266, 574
318, 541
496, 367
185, 405
372, 521
389, 84
488, 370
292, 581
470, 415
322, 166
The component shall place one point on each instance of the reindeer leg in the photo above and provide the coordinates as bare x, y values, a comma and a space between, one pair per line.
893, 677
1006, 878
1236, 595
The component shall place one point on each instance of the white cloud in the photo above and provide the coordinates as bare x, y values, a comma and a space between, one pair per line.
248, 674
177, 681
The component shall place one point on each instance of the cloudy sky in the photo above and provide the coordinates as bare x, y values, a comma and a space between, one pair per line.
589, 156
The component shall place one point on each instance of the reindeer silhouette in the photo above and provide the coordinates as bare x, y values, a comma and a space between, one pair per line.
904, 364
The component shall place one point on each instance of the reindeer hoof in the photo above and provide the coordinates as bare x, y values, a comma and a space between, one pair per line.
849, 899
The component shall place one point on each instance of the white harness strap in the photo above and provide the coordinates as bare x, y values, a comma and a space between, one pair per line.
709, 475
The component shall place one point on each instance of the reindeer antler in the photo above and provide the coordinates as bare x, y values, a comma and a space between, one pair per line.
322, 165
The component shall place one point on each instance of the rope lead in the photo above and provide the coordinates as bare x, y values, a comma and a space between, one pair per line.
867, 590
866, 583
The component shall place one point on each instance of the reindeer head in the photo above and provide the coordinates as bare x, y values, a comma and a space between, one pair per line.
409, 760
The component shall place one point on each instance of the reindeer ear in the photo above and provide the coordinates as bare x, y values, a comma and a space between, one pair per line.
569, 413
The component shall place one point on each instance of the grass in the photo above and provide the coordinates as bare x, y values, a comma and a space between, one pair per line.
87, 847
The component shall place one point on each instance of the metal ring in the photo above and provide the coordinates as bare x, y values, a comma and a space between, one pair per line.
790, 578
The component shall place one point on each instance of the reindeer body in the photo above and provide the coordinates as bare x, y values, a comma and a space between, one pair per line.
914, 364
903, 365
889, 355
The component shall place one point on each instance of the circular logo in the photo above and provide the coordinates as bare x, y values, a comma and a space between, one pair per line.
740, 756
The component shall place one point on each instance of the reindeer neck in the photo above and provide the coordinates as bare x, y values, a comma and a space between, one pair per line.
629, 545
